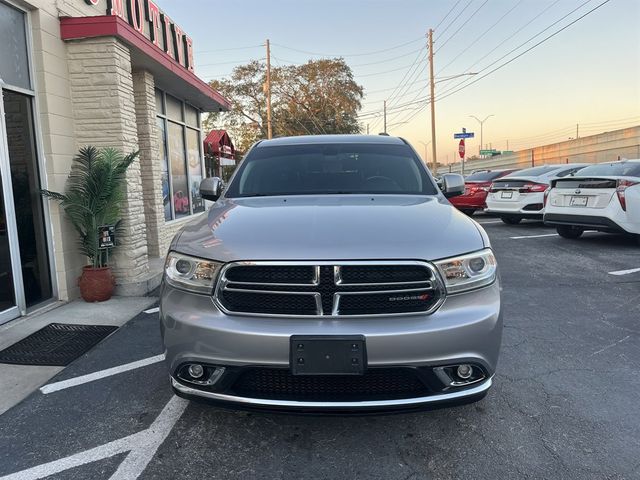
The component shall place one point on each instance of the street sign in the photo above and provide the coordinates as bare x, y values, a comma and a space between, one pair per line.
461, 148
493, 151
464, 134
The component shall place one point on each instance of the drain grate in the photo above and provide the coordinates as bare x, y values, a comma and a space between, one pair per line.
55, 345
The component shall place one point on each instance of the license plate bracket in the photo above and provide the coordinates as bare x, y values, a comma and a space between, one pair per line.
327, 355
578, 201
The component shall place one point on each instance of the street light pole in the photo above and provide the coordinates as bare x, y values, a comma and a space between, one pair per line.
426, 156
481, 125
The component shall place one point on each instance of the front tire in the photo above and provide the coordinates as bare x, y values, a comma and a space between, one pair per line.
511, 220
567, 231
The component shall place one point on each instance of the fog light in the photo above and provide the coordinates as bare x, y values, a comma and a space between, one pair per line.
195, 370
464, 371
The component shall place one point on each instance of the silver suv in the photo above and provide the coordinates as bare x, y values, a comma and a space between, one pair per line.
332, 275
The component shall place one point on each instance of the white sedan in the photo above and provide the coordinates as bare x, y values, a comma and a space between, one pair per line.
521, 194
604, 197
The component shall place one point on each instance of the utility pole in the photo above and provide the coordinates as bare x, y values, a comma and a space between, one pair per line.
367, 129
432, 84
268, 91
577, 131
385, 116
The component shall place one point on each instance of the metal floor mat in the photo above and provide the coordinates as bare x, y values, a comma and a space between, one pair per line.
55, 345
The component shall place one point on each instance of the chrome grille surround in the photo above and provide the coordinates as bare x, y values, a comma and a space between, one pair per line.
312, 289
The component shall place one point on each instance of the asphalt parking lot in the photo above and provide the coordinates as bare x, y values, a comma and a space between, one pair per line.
564, 403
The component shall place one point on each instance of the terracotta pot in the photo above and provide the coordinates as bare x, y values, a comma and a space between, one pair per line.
96, 284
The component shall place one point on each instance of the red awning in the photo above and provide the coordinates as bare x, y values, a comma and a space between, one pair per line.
218, 142
169, 75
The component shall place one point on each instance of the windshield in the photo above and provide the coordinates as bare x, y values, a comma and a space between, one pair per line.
331, 168
622, 169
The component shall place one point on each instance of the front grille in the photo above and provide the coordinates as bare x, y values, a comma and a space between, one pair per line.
375, 384
329, 289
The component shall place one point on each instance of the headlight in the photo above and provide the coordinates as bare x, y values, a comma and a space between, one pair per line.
468, 272
190, 273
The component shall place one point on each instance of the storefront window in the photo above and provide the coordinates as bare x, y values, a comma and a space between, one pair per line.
174, 108
14, 63
178, 170
164, 162
180, 156
195, 169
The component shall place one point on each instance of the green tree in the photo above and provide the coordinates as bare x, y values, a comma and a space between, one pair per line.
318, 97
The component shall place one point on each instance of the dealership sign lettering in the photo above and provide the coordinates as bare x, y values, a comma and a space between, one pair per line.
145, 17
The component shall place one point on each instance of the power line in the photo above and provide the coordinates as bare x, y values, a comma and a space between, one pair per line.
454, 90
507, 39
350, 54
464, 50
460, 27
445, 17
230, 49
362, 64
454, 19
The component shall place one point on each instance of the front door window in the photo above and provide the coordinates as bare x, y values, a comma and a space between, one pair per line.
27, 202
25, 272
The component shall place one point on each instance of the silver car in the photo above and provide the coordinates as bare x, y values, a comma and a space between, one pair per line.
332, 275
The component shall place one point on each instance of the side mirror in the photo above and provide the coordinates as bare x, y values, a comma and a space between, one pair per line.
211, 188
452, 185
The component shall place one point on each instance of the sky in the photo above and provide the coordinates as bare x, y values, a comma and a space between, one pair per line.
587, 75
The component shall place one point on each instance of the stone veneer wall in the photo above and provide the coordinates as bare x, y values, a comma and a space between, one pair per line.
151, 168
104, 114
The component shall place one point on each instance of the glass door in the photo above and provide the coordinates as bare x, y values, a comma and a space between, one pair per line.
11, 292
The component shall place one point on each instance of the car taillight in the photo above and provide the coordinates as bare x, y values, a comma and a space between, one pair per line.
622, 186
546, 196
535, 187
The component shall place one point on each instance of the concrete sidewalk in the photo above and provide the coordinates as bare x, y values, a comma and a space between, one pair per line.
18, 381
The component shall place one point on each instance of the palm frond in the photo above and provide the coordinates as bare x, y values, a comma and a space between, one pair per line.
94, 194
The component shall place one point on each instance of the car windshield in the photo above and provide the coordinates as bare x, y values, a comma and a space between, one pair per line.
621, 169
534, 171
483, 176
312, 169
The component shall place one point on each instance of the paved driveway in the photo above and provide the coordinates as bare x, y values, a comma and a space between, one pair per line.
564, 403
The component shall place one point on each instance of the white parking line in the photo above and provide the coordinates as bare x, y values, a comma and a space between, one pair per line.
91, 377
153, 310
141, 446
625, 272
535, 236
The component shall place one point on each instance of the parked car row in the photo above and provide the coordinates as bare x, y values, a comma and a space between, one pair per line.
572, 197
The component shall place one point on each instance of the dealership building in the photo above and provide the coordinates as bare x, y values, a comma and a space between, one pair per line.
117, 73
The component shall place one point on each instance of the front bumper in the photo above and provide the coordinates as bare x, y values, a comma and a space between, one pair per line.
453, 398
466, 328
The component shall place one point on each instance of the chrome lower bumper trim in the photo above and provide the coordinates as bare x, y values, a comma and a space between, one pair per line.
404, 402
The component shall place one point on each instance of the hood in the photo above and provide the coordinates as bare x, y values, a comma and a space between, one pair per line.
330, 227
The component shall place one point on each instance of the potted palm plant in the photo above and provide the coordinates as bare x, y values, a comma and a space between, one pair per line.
92, 201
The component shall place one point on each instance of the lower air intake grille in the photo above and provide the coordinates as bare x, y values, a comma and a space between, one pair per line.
375, 384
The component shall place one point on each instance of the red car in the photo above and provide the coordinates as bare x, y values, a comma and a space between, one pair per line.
476, 188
